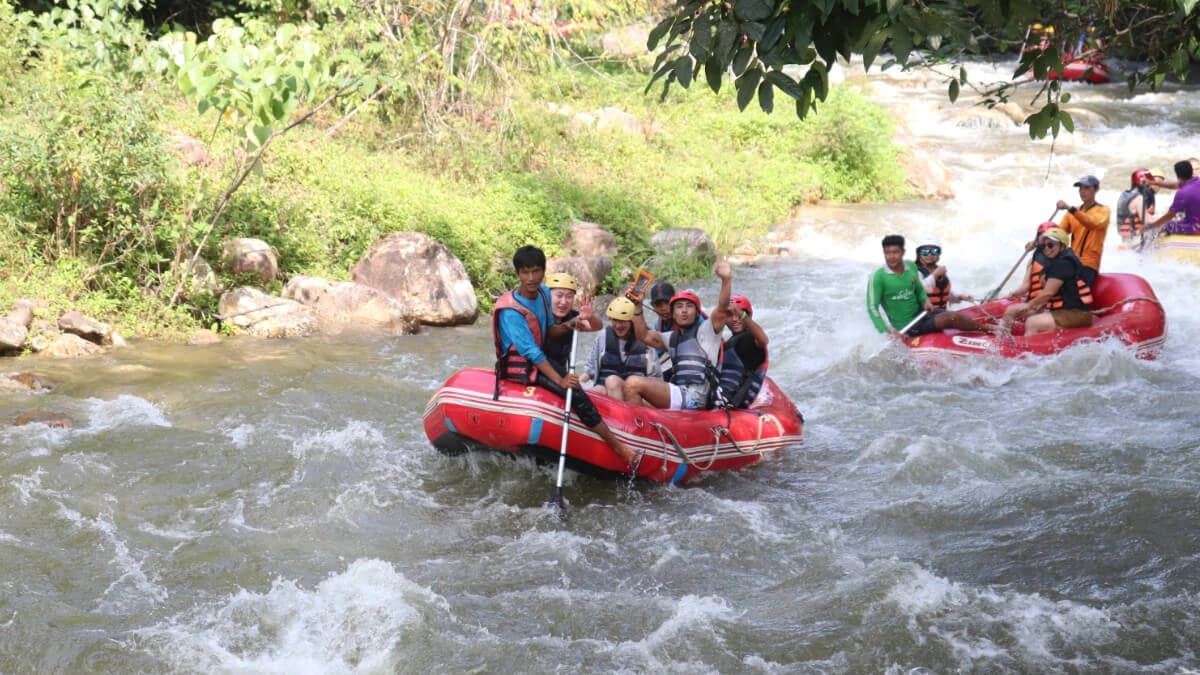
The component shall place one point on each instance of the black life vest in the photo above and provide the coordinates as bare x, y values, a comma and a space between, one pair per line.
1074, 293
510, 365
939, 297
740, 385
558, 348
611, 362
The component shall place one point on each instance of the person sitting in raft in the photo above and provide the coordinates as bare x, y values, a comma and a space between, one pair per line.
896, 288
1134, 208
1065, 296
695, 349
1161, 182
660, 300
1032, 284
567, 319
616, 354
744, 366
1186, 203
1088, 225
934, 275
520, 322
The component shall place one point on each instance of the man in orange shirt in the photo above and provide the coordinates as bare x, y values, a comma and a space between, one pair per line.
1087, 224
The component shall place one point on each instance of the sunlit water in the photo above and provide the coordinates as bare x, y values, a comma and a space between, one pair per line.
275, 506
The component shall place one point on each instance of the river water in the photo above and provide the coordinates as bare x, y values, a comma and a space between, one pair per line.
275, 506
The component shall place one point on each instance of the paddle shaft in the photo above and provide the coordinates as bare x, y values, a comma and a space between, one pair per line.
562, 449
992, 296
913, 322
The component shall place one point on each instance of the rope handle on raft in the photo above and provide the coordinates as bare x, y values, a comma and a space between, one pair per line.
1140, 298
718, 431
664, 434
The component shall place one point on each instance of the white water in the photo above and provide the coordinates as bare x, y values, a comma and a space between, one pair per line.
275, 507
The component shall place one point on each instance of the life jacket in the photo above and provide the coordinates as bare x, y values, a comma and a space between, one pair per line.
1077, 296
611, 362
1130, 222
739, 385
690, 365
939, 297
510, 365
1037, 274
558, 349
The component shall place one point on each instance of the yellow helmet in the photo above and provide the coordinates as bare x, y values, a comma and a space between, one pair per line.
621, 309
561, 280
1058, 234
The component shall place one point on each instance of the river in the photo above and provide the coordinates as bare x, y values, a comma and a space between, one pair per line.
274, 507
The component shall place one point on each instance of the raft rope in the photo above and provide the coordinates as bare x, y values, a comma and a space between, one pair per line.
719, 431
665, 435
1140, 298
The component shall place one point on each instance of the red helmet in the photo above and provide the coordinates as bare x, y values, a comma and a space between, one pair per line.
1046, 225
742, 302
686, 294
1136, 178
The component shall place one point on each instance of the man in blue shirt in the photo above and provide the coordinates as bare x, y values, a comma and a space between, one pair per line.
520, 324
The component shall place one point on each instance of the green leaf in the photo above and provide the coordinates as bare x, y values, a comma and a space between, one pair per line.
1067, 122
727, 35
962, 75
902, 43
753, 10
826, 7
766, 97
658, 32
702, 37
746, 86
753, 30
785, 83
742, 59
1065, 98
953, 90
1186, 6
714, 73
683, 70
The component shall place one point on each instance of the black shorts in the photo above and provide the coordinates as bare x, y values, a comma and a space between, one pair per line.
580, 403
927, 324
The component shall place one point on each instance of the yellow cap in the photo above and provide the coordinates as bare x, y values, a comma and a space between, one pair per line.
561, 280
1059, 234
621, 309
1157, 173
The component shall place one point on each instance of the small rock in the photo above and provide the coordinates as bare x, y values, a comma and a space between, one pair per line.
250, 256
24, 382
88, 329
50, 419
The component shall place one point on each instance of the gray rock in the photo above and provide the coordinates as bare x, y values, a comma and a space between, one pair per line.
250, 256
589, 239
305, 290
86, 328
22, 313
23, 382
12, 335
70, 346
589, 271
925, 175
348, 306
200, 279
422, 274
266, 316
690, 241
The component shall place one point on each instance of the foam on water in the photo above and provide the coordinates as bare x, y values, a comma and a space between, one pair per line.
351, 622
122, 412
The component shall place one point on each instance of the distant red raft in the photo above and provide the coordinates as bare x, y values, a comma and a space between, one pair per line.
1128, 311
1083, 70
679, 445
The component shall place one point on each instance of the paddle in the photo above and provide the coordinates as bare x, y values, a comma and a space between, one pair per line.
913, 322
557, 499
996, 291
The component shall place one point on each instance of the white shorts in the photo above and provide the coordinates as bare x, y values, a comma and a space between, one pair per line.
682, 399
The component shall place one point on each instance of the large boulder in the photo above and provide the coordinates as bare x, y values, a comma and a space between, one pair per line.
351, 306
926, 176
589, 239
266, 316
305, 290
86, 328
589, 271
423, 275
12, 336
70, 346
250, 256
692, 242
22, 313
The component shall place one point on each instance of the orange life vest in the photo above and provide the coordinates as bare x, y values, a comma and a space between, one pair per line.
1037, 278
510, 365
939, 296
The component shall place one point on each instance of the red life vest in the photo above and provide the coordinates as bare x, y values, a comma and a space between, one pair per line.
510, 365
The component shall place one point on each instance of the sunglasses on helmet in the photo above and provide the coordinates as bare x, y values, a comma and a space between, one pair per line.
929, 250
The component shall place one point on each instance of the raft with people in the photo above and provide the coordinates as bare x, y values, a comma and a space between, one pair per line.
676, 446
1127, 310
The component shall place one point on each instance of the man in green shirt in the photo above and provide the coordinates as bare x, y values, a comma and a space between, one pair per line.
897, 289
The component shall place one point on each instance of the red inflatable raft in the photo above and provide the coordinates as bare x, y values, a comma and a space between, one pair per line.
1083, 70
1126, 309
679, 445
